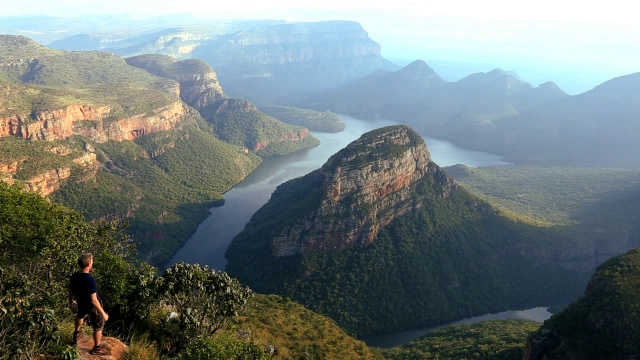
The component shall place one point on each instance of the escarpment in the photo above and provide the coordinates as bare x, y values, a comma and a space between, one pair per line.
364, 187
199, 86
92, 122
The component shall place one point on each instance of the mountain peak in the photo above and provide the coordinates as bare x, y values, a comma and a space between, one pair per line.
496, 80
363, 188
419, 71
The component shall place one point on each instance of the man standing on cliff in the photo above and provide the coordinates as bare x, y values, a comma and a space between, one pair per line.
83, 287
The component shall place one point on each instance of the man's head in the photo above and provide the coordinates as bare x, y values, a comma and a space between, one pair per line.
85, 260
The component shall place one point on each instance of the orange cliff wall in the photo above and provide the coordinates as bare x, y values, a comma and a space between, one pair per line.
59, 124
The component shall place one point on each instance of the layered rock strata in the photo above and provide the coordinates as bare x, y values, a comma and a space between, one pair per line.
364, 187
90, 121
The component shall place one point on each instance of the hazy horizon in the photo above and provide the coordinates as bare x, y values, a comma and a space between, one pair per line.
576, 47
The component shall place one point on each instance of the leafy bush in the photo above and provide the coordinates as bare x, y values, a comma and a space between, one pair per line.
203, 300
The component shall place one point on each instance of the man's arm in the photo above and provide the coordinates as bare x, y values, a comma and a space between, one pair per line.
70, 297
98, 306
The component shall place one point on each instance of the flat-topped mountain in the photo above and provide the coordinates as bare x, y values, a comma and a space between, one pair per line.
268, 62
380, 238
176, 36
274, 63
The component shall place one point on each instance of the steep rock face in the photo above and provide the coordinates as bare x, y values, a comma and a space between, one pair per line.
355, 178
162, 119
278, 63
50, 125
297, 43
200, 90
48, 182
89, 121
199, 86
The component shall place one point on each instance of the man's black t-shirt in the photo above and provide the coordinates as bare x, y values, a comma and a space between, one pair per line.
83, 285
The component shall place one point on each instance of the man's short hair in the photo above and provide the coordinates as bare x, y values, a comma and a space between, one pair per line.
84, 260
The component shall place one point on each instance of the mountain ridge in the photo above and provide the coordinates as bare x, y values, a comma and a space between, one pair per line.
497, 112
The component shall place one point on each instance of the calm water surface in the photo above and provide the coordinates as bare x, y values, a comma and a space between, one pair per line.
539, 314
209, 243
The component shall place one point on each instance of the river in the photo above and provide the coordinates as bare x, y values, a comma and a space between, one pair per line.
539, 314
209, 242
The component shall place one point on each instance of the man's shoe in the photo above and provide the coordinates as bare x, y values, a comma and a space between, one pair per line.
97, 350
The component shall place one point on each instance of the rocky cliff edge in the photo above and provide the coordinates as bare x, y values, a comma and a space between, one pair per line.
364, 187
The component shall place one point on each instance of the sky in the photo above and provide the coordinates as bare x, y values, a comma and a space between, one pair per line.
575, 44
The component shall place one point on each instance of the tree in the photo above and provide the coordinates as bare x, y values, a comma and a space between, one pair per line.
203, 300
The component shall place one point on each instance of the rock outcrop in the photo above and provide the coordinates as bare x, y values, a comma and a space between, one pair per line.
199, 86
115, 349
90, 121
200, 90
364, 187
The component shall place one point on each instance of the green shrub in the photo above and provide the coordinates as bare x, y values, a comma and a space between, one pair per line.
203, 299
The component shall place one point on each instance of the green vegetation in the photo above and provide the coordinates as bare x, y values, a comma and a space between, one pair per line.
311, 119
20, 47
189, 312
163, 184
242, 124
49, 80
169, 67
604, 323
294, 330
37, 157
555, 195
39, 246
428, 266
495, 340
591, 208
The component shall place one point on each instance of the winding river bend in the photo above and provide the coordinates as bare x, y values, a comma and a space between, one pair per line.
209, 243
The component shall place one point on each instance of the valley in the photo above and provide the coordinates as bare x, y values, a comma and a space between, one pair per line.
215, 151
209, 243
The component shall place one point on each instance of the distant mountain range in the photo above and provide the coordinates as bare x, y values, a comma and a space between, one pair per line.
265, 61
500, 113
335, 66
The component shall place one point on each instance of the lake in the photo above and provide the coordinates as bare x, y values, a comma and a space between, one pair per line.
209, 242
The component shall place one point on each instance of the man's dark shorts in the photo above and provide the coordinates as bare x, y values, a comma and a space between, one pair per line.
95, 318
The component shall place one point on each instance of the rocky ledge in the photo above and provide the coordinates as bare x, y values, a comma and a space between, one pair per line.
89, 121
